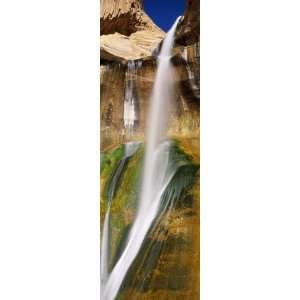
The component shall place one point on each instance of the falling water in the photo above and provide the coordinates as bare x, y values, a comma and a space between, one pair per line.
192, 80
130, 149
130, 113
185, 53
157, 172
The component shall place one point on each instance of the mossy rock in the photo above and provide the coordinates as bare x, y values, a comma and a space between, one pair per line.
167, 261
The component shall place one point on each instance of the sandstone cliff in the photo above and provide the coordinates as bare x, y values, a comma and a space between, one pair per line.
127, 32
128, 68
118, 80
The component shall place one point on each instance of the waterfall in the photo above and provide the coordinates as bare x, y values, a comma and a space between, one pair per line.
192, 80
130, 113
157, 172
130, 149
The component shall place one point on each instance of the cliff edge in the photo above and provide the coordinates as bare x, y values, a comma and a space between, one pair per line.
126, 31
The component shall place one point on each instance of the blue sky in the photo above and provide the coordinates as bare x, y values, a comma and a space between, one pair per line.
164, 12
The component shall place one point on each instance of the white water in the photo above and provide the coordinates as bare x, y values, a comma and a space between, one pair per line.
130, 149
130, 114
156, 174
191, 77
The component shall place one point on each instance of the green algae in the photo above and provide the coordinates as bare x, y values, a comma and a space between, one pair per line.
160, 262
124, 204
109, 159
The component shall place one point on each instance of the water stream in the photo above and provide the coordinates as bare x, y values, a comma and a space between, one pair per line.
130, 149
157, 171
130, 113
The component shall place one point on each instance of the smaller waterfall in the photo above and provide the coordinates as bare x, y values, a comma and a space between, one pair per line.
130, 113
130, 149
185, 53
191, 77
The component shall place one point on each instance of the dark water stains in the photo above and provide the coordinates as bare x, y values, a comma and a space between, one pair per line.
185, 202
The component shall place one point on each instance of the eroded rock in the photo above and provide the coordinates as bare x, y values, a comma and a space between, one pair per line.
127, 32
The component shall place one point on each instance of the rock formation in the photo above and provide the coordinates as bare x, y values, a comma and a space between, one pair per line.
185, 113
127, 32
188, 31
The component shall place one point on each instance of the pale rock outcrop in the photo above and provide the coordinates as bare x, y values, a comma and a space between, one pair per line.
127, 32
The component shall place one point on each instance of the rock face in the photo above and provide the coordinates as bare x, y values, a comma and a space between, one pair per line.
127, 32
167, 266
188, 31
115, 87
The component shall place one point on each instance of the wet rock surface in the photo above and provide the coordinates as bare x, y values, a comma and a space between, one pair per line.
114, 87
